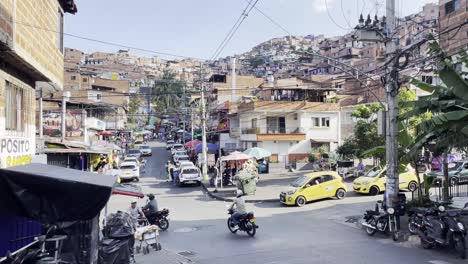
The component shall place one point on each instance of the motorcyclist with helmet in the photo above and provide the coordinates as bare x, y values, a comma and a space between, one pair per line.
239, 205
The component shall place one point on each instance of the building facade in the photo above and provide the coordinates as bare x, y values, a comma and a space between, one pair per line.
29, 55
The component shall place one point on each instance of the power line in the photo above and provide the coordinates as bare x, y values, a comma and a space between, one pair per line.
244, 15
102, 41
332, 19
272, 20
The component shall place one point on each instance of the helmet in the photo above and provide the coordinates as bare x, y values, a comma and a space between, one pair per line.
239, 193
134, 201
151, 196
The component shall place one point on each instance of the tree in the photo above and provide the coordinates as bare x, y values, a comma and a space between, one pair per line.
448, 104
348, 149
365, 132
168, 92
133, 107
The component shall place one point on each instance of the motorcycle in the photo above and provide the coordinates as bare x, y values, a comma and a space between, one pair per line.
246, 223
381, 220
160, 219
444, 229
416, 215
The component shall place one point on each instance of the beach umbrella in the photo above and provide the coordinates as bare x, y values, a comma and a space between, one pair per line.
257, 152
236, 155
192, 144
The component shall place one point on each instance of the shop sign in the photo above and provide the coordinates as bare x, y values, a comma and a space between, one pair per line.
15, 152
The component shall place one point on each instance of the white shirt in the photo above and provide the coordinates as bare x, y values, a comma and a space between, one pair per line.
135, 212
240, 205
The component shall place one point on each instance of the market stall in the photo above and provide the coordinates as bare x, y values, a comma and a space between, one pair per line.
262, 158
237, 158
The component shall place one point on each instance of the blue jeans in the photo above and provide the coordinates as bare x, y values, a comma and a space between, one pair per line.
236, 217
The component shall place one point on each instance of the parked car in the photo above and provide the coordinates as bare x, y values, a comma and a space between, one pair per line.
177, 147
131, 159
185, 163
457, 172
314, 186
146, 150
189, 174
137, 144
179, 158
169, 144
374, 181
133, 153
129, 171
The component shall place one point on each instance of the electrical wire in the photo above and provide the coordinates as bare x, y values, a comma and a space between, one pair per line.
271, 20
332, 19
102, 41
244, 16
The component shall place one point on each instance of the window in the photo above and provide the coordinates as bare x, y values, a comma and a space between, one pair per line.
14, 107
85, 79
315, 122
73, 78
452, 6
60, 30
254, 122
427, 79
99, 97
325, 122
328, 178
254, 144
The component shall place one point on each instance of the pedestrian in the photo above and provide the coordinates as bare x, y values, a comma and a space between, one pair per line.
175, 173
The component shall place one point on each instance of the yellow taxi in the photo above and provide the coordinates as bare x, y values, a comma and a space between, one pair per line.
374, 181
314, 186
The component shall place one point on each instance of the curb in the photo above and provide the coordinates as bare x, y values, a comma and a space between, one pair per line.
217, 197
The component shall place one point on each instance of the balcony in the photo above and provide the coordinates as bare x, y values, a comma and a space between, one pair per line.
272, 134
96, 124
115, 125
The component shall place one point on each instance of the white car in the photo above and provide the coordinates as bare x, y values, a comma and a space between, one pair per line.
179, 158
132, 159
185, 163
189, 174
177, 147
146, 150
129, 171
169, 144
179, 153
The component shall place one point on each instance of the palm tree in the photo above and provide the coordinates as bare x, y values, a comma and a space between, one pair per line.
167, 92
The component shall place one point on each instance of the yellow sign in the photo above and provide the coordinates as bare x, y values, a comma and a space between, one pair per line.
12, 161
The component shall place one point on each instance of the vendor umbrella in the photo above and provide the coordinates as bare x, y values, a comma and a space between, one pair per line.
192, 144
236, 155
211, 148
257, 152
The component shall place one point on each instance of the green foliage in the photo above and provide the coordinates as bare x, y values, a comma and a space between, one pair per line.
133, 107
348, 149
168, 92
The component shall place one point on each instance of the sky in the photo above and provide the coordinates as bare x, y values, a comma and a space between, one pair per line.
195, 28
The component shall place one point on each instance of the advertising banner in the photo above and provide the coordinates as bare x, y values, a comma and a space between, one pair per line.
73, 123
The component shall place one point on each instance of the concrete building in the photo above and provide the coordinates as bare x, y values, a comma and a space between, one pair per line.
289, 129
29, 55
453, 17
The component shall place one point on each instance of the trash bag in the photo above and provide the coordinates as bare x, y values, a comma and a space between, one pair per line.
115, 251
119, 225
246, 182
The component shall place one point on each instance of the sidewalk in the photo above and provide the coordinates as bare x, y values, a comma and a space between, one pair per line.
268, 188
162, 256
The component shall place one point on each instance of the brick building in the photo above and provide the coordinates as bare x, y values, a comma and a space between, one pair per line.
29, 56
453, 26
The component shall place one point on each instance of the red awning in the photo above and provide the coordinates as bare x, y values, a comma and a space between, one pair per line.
106, 133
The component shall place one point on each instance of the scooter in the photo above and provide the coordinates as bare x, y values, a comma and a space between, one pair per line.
444, 230
381, 220
247, 223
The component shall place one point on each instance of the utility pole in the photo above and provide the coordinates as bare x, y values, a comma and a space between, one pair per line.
65, 97
391, 88
41, 115
203, 106
191, 119
184, 116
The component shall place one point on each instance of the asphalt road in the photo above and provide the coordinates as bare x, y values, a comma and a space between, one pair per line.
320, 232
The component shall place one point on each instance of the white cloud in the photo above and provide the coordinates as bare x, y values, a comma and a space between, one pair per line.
320, 6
